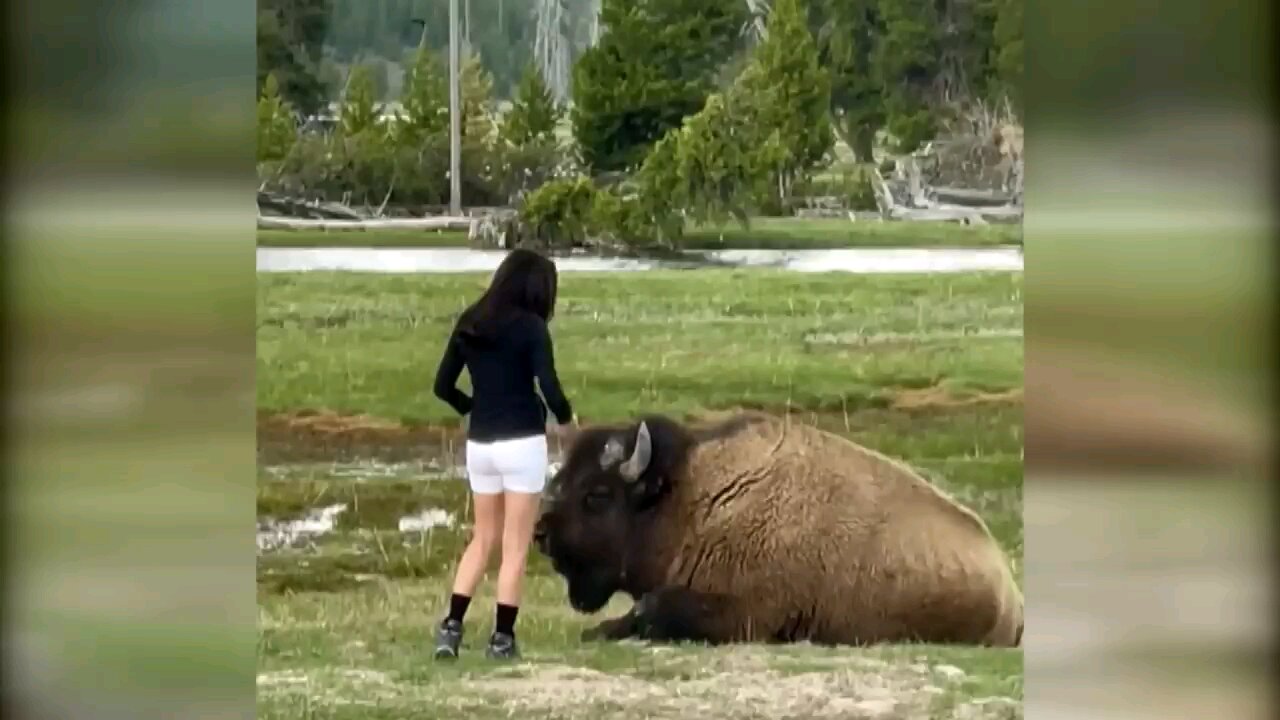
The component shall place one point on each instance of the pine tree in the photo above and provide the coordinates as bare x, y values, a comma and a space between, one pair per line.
380, 75
966, 51
476, 89
847, 31
790, 92
655, 64
425, 99
276, 128
905, 64
1008, 49
290, 37
534, 114
358, 111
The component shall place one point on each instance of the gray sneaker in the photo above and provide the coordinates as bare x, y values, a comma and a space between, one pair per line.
448, 639
502, 647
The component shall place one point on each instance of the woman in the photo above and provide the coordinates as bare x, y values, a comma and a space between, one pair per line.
503, 341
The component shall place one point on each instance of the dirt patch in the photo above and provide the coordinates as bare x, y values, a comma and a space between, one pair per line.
741, 683
738, 684
938, 397
311, 436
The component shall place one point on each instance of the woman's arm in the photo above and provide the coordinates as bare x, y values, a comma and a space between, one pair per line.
446, 385
544, 368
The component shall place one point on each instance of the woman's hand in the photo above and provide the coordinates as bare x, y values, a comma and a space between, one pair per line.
564, 433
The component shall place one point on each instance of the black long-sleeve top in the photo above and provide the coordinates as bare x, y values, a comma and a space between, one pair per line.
503, 368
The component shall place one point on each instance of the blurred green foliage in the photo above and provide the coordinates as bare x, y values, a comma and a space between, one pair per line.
654, 64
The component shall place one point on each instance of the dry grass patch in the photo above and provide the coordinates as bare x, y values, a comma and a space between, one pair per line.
743, 682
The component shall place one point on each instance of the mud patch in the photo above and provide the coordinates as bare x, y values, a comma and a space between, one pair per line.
312, 436
327, 437
939, 397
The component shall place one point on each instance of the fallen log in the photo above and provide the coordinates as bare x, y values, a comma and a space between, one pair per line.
1003, 214
968, 197
883, 195
266, 222
300, 208
961, 215
955, 213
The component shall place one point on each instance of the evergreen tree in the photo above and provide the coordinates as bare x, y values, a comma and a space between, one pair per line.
790, 93
965, 62
846, 32
425, 98
534, 113
501, 31
655, 63
358, 111
380, 75
476, 90
290, 39
905, 64
276, 128
1007, 49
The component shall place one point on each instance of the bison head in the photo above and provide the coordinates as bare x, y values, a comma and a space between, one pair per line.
600, 503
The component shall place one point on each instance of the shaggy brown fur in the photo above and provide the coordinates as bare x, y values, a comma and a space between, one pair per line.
767, 529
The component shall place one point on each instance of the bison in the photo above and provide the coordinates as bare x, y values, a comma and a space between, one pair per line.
753, 528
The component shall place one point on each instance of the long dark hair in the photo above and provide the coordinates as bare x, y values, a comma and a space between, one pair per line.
525, 282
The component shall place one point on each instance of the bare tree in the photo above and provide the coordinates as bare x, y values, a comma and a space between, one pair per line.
552, 45
562, 30
756, 25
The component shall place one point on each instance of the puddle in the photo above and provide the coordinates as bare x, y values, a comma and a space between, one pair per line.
426, 520
273, 535
461, 260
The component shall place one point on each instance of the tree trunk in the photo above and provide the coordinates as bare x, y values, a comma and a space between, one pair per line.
863, 138
859, 138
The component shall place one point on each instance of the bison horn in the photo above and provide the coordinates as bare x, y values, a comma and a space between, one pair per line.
639, 459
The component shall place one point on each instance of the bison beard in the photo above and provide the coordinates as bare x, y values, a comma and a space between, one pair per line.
761, 529
589, 590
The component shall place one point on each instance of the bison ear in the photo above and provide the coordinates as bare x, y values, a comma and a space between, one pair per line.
639, 460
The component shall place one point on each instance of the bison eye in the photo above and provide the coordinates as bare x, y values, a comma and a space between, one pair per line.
598, 498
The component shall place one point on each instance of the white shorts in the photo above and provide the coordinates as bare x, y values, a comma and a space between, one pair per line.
518, 465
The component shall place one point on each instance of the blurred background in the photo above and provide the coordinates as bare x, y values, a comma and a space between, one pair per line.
128, 313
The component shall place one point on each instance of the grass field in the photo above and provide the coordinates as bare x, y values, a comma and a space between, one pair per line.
926, 368
765, 233
371, 239
796, 233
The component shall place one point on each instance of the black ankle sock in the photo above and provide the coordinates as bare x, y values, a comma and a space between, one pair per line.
506, 619
458, 606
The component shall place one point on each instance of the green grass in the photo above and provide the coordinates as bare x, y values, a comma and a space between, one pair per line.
764, 233
821, 233
362, 239
346, 617
675, 341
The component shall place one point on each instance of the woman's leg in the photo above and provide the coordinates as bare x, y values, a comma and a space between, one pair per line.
520, 515
486, 534
524, 469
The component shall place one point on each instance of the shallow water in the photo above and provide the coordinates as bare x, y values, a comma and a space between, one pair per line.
426, 520
459, 260
273, 535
